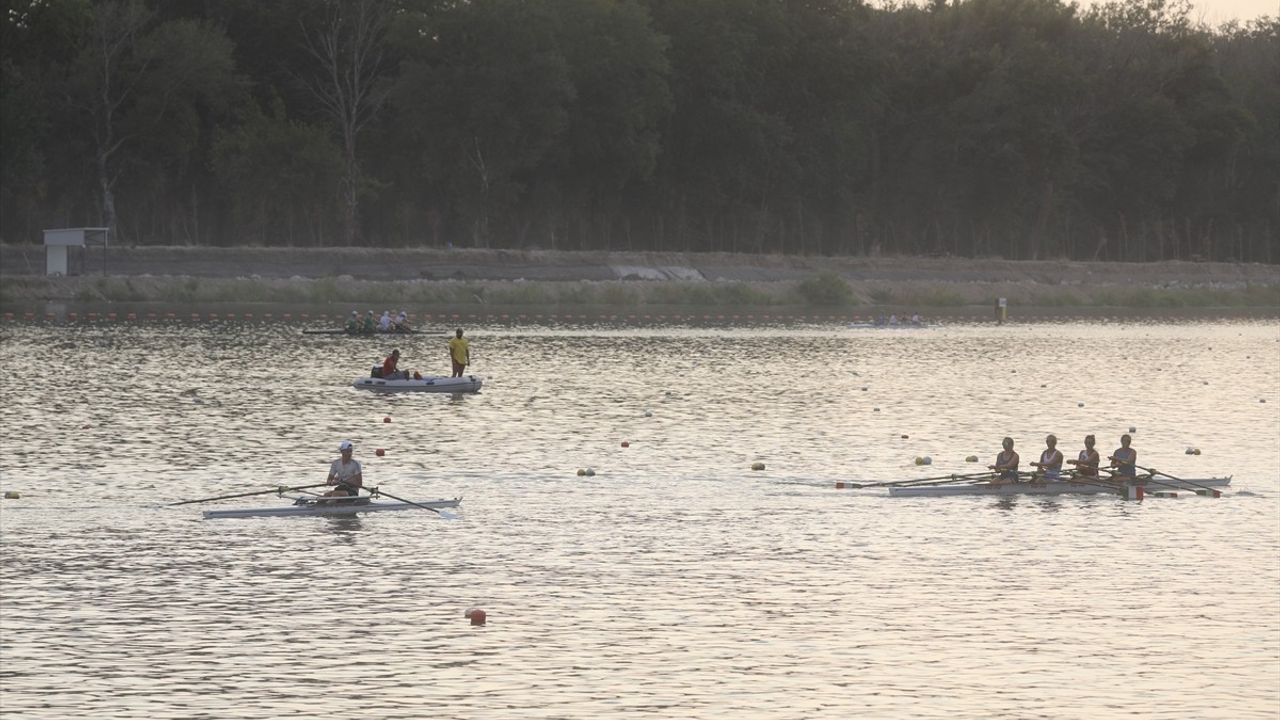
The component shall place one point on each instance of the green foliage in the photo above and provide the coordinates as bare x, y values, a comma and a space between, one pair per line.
1019, 128
826, 289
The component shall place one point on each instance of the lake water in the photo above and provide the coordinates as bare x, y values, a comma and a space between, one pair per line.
676, 582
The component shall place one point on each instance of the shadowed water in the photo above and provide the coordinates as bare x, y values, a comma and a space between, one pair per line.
676, 582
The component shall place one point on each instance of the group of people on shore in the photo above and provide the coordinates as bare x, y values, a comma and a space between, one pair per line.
459, 357
1122, 462
385, 324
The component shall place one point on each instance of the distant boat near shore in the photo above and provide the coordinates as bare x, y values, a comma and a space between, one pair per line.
375, 333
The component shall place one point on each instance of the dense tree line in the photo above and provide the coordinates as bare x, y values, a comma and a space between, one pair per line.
1013, 128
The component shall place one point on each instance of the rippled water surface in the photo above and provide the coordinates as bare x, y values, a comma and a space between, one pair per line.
676, 582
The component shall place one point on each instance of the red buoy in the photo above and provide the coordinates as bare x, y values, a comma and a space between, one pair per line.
379, 452
386, 419
626, 444
477, 616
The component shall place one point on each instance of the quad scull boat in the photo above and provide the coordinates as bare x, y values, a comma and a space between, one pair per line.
1056, 487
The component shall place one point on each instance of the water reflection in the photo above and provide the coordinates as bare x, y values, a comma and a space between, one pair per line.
639, 590
344, 526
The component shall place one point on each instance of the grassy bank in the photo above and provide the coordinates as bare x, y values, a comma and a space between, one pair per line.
824, 291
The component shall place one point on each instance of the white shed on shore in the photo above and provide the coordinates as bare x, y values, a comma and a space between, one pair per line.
57, 244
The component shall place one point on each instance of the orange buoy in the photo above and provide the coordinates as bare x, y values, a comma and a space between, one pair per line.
626, 444
379, 452
839, 485
477, 616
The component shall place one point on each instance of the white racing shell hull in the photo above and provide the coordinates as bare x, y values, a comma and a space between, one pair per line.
1054, 488
430, 383
340, 507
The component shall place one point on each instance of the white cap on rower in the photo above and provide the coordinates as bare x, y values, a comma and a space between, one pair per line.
344, 445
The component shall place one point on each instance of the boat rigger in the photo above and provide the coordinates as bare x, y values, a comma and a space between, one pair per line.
311, 503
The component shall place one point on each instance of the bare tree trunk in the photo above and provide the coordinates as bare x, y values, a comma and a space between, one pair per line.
348, 49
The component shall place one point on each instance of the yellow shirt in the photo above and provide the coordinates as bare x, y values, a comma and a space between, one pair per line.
459, 350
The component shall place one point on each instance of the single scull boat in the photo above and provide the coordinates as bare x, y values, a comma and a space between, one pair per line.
328, 506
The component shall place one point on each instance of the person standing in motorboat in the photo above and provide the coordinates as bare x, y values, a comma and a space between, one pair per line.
459, 353
1125, 459
345, 473
1050, 460
1088, 460
1006, 463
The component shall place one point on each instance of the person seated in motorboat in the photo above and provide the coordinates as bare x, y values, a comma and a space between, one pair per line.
1125, 459
345, 473
402, 323
1087, 462
370, 323
1050, 460
384, 322
1006, 463
353, 323
389, 367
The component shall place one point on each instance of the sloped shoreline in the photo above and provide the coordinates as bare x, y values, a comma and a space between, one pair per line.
543, 279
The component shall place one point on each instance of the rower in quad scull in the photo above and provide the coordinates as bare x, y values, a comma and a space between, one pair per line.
1124, 459
1050, 460
1006, 463
1088, 460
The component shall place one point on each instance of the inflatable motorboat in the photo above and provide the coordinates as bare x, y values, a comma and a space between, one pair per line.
428, 383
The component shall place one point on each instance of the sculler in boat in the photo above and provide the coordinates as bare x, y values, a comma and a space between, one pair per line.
1124, 460
345, 473
370, 323
402, 323
353, 323
1088, 460
1050, 460
1006, 463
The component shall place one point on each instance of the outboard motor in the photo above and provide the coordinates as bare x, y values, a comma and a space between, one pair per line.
376, 372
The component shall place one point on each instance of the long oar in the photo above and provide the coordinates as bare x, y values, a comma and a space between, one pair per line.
280, 489
441, 513
917, 481
1212, 492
